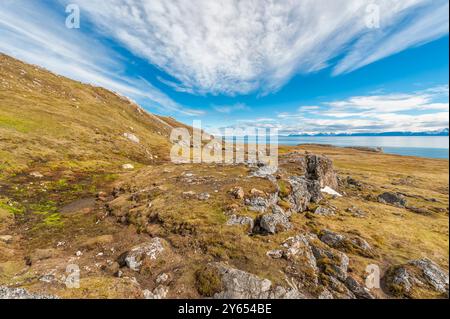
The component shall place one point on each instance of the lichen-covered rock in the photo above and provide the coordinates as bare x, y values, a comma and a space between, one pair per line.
19, 293
358, 289
272, 223
323, 211
420, 278
331, 262
320, 168
237, 192
348, 243
150, 250
241, 220
304, 191
392, 199
260, 202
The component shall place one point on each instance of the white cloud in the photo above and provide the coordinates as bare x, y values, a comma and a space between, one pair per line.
236, 47
231, 108
37, 35
424, 110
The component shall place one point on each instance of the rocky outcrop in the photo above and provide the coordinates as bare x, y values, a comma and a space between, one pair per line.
348, 243
420, 278
148, 251
238, 284
273, 222
304, 191
315, 264
320, 168
392, 199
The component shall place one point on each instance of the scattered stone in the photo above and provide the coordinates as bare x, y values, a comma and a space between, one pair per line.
360, 291
241, 220
353, 182
323, 211
128, 166
356, 212
265, 171
133, 138
273, 223
135, 257
36, 175
79, 253
392, 199
237, 192
275, 254
162, 278
7, 239
158, 293
102, 196
203, 196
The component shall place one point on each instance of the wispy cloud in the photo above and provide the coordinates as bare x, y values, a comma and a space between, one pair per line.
231, 108
235, 47
38, 35
417, 111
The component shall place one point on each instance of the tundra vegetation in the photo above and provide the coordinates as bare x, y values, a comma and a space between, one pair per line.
86, 180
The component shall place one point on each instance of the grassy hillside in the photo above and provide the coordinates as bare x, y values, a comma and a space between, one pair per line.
65, 198
50, 121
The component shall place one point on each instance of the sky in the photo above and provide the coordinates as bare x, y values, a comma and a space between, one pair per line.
300, 66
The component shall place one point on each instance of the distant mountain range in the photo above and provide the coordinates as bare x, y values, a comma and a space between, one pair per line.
443, 132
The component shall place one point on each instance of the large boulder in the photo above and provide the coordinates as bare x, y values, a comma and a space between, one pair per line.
420, 278
274, 222
238, 284
304, 191
320, 168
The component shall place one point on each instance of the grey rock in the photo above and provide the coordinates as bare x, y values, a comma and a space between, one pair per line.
320, 168
421, 274
273, 223
432, 273
133, 138
238, 284
159, 292
358, 289
150, 250
392, 199
241, 220
323, 211
20, 293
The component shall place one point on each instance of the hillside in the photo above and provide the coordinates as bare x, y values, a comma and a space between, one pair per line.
165, 230
62, 123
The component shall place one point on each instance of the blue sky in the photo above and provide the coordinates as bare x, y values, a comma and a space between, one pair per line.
294, 65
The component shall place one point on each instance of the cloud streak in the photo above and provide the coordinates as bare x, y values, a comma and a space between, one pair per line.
236, 47
26, 35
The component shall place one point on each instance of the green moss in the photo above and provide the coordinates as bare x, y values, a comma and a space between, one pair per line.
12, 207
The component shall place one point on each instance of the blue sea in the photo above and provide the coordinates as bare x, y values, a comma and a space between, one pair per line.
421, 146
